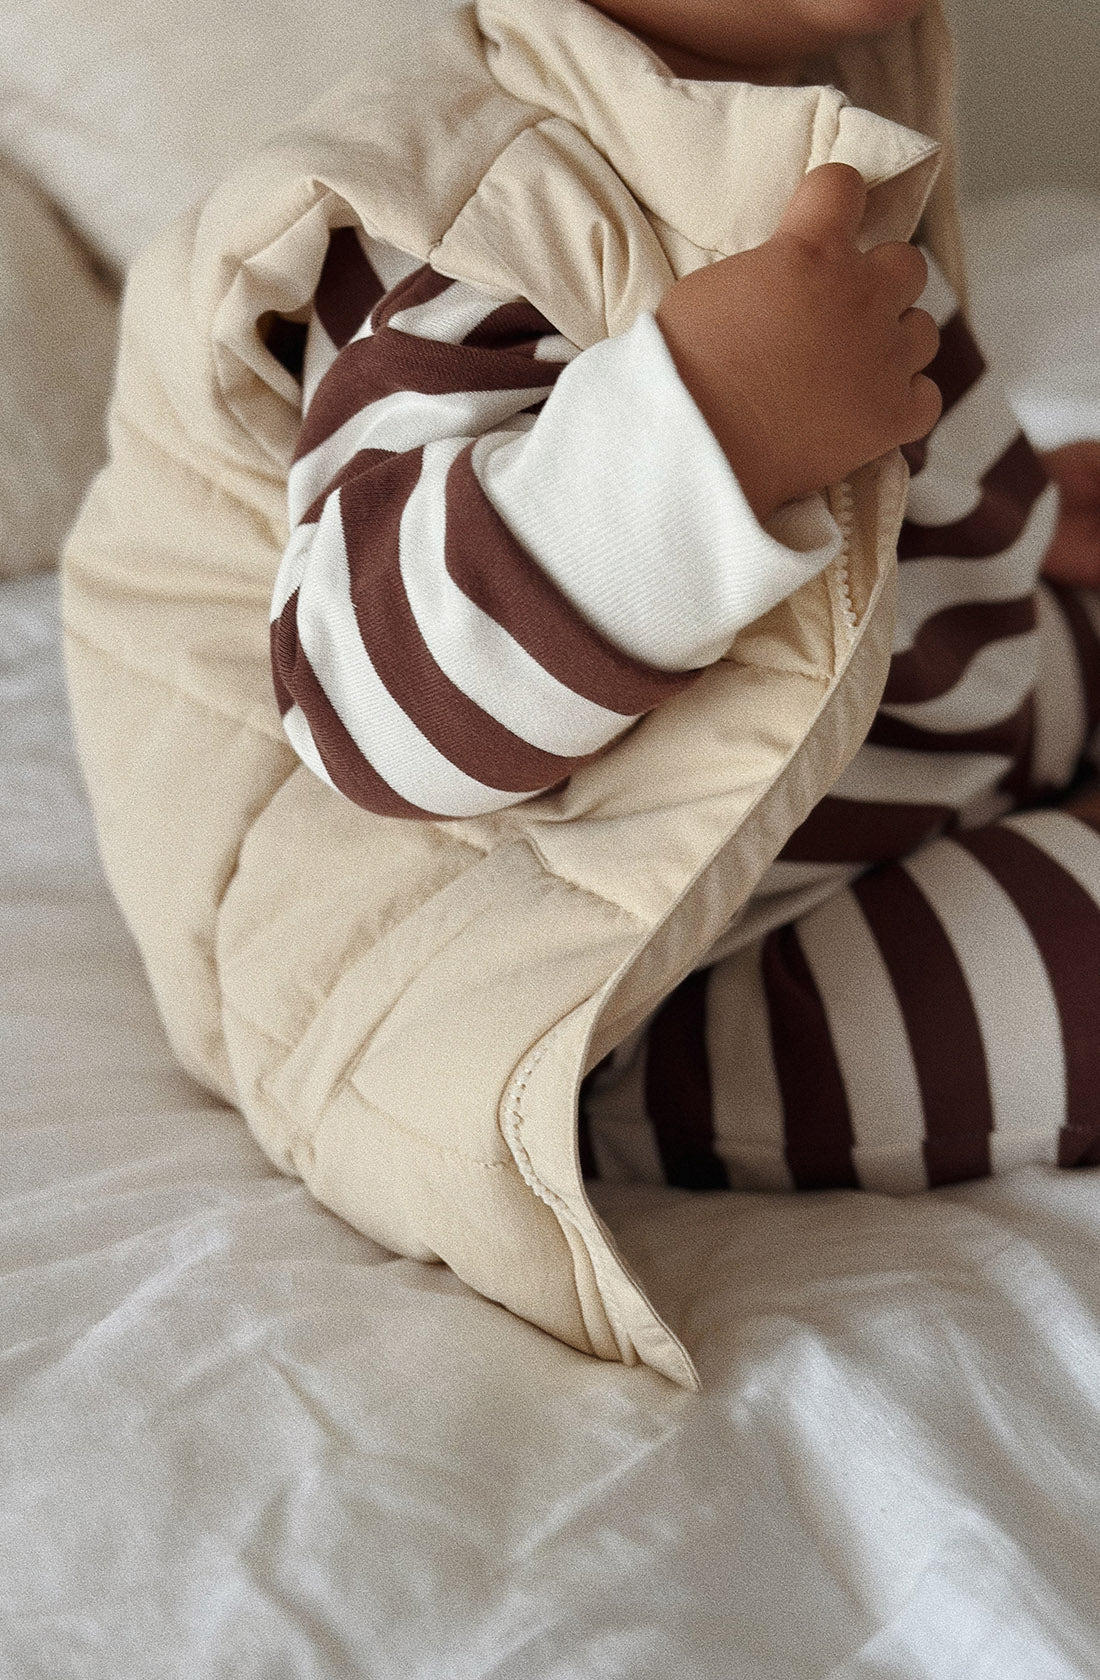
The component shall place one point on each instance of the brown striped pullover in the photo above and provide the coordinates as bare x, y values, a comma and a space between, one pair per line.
504, 551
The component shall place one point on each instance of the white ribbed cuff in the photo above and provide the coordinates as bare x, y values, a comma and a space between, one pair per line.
622, 494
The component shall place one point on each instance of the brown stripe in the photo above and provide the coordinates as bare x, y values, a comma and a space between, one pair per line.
941, 1023
1013, 736
516, 592
678, 1089
1064, 923
287, 342
371, 507
516, 326
1010, 490
590, 1167
1084, 805
817, 1125
282, 649
348, 288
862, 831
958, 364
1087, 648
295, 681
361, 464
948, 641
391, 361
957, 368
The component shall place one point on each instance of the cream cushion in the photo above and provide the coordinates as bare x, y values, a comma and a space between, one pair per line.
128, 110
57, 344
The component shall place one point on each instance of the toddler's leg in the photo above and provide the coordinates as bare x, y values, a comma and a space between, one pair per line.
939, 1020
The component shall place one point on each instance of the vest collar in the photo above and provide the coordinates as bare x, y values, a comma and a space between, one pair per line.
714, 161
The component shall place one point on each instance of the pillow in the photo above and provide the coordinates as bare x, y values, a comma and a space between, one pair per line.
128, 110
57, 342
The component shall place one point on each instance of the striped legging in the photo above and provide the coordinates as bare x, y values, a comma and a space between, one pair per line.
936, 1020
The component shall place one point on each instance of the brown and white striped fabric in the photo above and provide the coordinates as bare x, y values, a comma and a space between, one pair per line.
994, 684
503, 551
937, 1020
935, 1016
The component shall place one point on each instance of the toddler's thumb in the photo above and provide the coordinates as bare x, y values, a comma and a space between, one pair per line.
828, 206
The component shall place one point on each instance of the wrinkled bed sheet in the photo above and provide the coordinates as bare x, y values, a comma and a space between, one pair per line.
240, 1442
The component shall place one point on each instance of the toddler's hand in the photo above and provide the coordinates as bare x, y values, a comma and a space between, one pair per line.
1074, 554
804, 355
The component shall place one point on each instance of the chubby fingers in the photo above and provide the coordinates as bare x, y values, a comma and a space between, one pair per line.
919, 341
828, 207
922, 409
920, 338
902, 270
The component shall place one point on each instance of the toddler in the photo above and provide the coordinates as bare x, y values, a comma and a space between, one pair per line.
507, 549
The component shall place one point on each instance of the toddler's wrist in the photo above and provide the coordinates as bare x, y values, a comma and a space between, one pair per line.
740, 440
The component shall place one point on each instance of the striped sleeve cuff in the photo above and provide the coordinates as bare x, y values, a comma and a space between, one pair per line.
622, 495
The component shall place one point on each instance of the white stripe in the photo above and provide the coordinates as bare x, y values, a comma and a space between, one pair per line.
872, 1046
1012, 995
300, 736
994, 685
472, 649
785, 892
746, 1104
896, 776
623, 1141
460, 310
1072, 844
381, 730
292, 567
554, 347
942, 493
1061, 720
975, 433
320, 354
400, 422
928, 586
1089, 601
447, 318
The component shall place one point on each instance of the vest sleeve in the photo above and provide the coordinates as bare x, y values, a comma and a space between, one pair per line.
504, 551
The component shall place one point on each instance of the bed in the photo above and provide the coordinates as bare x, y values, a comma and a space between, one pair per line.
242, 1442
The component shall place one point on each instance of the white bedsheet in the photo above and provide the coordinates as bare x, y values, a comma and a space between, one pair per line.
240, 1442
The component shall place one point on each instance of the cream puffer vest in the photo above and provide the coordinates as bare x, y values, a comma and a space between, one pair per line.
403, 1011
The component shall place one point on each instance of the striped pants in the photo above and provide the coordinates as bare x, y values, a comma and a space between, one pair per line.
936, 1020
